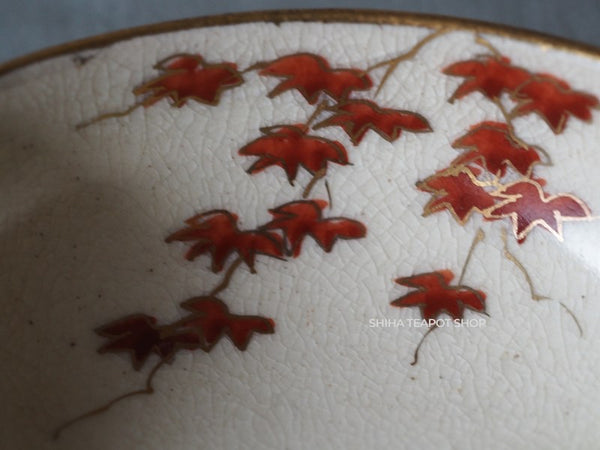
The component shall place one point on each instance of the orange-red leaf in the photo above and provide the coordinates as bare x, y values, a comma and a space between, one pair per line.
490, 145
140, 336
357, 117
529, 206
554, 101
489, 75
188, 77
289, 147
212, 320
457, 190
311, 74
434, 295
305, 218
216, 232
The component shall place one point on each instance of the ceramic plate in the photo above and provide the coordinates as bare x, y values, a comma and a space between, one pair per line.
301, 230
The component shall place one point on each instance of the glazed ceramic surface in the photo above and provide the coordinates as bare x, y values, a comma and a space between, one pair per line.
302, 234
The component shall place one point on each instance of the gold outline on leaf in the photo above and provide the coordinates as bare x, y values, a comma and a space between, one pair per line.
481, 60
511, 198
536, 77
508, 134
444, 283
233, 221
347, 125
325, 68
299, 129
173, 95
318, 206
508, 117
514, 93
437, 193
227, 315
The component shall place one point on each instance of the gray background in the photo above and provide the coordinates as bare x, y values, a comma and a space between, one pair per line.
30, 25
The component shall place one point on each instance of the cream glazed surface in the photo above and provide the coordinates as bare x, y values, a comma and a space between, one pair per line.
259, 225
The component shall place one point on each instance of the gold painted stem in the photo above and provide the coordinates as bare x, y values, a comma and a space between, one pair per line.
573, 316
149, 389
227, 278
329, 194
508, 255
511, 132
104, 116
316, 177
416, 355
394, 62
324, 105
476, 240
479, 39
534, 295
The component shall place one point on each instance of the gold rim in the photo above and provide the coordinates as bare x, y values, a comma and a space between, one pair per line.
308, 15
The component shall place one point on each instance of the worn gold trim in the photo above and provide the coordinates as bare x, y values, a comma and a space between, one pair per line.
308, 15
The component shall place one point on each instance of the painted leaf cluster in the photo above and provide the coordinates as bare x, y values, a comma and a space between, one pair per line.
458, 190
291, 146
140, 336
216, 233
545, 95
434, 295
494, 173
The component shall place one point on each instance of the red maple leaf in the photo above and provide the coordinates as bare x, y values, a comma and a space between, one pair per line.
188, 77
140, 336
305, 218
357, 117
457, 190
435, 296
289, 147
491, 146
216, 232
489, 75
311, 74
554, 101
529, 206
212, 320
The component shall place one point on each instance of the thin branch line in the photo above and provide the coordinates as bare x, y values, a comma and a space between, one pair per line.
416, 354
394, 62
573, 316
104, 116
476, 240
316, 177
148, 389
227, 277
508, 255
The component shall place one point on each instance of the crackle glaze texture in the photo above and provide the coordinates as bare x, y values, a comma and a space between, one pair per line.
113, 222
